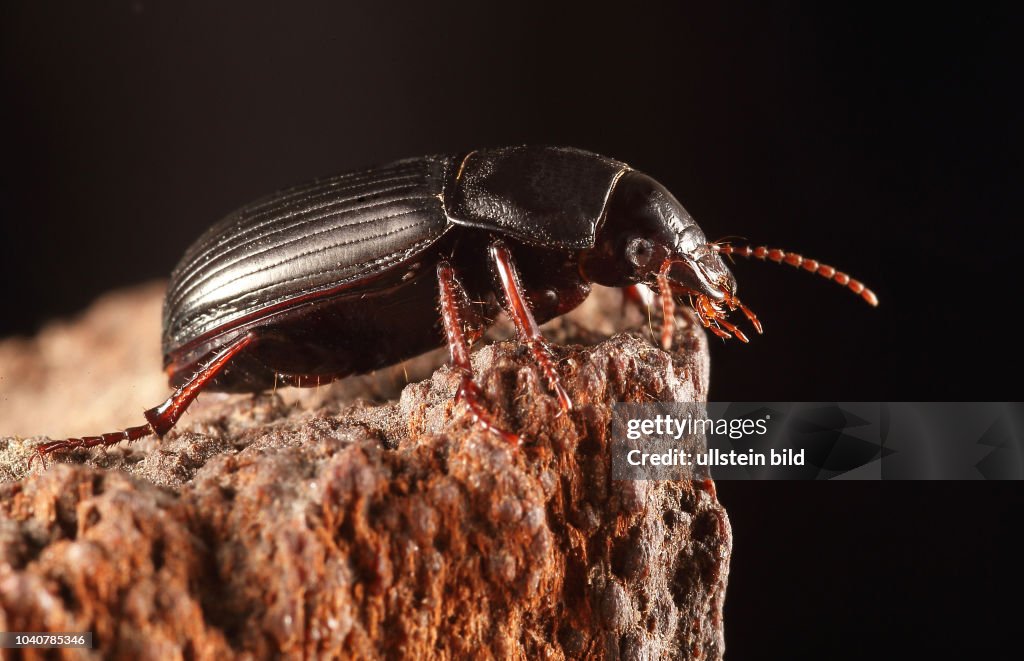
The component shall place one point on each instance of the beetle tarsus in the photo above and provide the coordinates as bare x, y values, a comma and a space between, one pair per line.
542, 354
103, 440
469, 393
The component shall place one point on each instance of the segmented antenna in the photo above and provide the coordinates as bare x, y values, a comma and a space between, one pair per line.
798, 261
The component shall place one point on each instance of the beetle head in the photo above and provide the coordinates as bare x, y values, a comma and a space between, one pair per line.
645, 231
648, 237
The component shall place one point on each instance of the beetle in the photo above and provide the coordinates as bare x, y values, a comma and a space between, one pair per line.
347, 274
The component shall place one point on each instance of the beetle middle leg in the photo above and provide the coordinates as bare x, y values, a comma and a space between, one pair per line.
526, 326
453, 304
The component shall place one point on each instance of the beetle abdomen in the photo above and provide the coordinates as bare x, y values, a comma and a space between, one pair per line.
308, 239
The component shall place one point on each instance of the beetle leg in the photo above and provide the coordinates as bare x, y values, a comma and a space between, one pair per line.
526, 326
453, 298
161, 418
668, 305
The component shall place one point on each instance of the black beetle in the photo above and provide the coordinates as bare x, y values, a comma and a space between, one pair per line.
343, 275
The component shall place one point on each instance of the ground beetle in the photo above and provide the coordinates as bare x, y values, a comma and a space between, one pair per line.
345, 275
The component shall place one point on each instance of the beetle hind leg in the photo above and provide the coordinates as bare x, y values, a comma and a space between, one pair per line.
160, 419
453, 300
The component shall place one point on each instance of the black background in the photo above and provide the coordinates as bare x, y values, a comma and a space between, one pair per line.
879, 140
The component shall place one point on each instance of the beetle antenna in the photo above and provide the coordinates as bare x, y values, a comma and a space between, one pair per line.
799, 261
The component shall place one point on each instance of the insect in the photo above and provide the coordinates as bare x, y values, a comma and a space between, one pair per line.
348, 274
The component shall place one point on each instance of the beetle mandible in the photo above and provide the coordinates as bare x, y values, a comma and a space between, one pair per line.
306, 285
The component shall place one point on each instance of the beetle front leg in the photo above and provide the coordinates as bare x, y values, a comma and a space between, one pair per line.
668, 306
526, 326
453, 303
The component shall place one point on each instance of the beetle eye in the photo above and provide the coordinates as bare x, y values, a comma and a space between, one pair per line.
639, 251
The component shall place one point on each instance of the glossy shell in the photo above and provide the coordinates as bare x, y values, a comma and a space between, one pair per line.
336, 276
304, 240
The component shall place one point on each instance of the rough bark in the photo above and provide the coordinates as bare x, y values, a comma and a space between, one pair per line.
347, 524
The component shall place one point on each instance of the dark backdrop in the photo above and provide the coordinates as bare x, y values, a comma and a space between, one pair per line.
878, 140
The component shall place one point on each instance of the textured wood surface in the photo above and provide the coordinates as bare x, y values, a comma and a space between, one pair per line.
368, 520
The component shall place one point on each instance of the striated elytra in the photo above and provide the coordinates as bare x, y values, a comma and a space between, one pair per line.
351, 273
